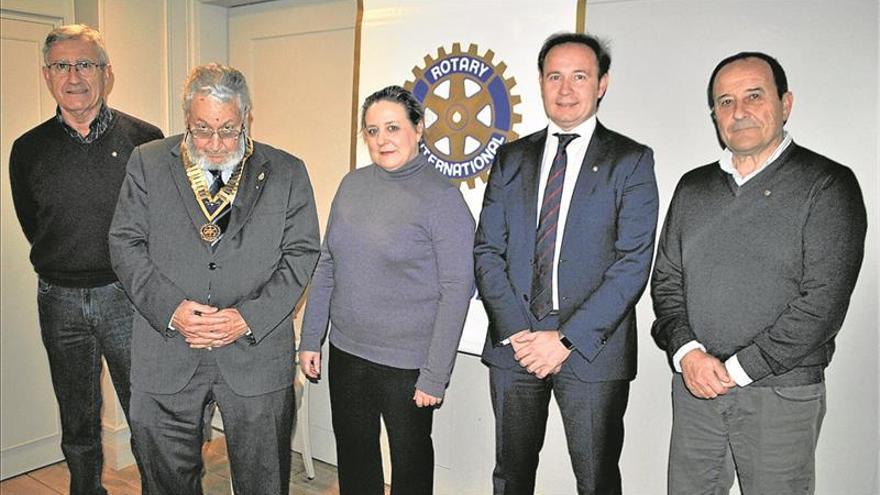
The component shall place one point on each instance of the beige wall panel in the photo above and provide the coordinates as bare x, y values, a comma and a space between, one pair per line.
302, 102
298, 58
136, 35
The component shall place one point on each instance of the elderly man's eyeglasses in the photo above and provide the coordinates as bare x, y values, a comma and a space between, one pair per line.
85, 68
203, 132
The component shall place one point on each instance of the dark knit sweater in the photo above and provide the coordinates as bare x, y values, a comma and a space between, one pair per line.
763, 271
396, 271
65, 193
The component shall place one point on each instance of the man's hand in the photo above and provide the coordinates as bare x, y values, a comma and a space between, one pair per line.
705, 375
191, 319
310, 364
215, 329
541, 353
520, 339
426, 400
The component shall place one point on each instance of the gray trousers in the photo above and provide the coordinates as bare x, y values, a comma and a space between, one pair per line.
169, 431
767, 435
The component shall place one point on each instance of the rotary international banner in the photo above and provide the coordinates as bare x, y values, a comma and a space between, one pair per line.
473, 65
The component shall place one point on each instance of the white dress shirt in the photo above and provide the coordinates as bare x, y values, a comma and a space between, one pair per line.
576, 150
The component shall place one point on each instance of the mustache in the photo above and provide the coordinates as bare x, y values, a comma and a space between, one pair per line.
234, 156
746, 123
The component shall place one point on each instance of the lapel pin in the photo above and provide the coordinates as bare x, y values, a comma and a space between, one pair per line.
113, 154
595, 168
261, 176
766, 192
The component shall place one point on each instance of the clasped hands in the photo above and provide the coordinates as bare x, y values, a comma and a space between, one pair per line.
206, 327
705, 375
541, 352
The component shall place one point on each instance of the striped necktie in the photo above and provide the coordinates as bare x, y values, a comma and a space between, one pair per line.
223, 220
545, 239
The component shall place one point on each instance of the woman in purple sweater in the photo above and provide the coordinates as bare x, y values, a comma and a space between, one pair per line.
394, 282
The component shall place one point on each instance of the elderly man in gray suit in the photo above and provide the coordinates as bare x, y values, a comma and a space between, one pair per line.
214, 237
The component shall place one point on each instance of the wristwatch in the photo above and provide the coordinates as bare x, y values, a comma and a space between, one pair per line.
567, 343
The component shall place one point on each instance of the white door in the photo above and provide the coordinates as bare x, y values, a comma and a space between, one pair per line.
30, 432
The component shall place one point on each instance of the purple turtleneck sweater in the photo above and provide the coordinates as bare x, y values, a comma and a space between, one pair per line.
395, 275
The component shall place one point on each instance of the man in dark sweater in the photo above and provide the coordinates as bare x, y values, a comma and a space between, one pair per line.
755, 266
65, 176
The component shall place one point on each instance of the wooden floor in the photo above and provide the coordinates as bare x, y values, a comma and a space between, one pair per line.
54, 479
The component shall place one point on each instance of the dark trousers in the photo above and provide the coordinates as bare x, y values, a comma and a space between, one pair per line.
592, 415
79, 326
360, 392
169, 429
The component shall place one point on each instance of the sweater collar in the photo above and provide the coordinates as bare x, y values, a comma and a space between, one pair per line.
96, 129
408, 169
726, 161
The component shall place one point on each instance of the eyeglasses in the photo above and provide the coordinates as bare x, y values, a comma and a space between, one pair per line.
202, 132
85, 68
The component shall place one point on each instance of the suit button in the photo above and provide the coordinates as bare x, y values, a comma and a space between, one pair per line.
212, 266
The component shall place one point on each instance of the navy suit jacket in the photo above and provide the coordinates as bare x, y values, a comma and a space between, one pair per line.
604, 261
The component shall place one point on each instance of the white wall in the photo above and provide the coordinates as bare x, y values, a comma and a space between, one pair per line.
662, 55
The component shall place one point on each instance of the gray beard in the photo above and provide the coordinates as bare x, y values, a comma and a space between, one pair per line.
205, 164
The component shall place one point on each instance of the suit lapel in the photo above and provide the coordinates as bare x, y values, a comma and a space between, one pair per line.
187, 196
530, 167
590, 174
254, 178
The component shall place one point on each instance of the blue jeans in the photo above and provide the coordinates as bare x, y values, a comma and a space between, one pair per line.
79, 326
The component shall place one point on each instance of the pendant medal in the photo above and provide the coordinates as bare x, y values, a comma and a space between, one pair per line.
209, 232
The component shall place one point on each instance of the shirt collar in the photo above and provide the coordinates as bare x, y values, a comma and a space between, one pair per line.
583, 130
726, 161
97, 128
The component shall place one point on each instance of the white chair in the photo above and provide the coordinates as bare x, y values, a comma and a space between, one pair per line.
304, 426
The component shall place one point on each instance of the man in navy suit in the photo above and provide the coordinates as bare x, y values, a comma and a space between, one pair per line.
563, 252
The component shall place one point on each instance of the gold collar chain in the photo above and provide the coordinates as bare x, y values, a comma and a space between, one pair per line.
213, 206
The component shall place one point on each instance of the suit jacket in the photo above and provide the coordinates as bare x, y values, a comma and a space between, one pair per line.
260, 266
604, 260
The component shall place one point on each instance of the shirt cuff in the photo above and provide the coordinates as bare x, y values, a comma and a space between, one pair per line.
736, 371
679, 354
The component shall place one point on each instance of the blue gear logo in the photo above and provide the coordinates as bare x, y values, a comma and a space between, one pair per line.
469, 111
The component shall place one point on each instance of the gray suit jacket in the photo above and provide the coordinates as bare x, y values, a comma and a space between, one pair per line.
260, 266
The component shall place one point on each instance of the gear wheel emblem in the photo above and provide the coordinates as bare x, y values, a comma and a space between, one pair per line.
469, 111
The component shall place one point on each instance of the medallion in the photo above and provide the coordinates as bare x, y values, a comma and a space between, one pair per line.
209, 232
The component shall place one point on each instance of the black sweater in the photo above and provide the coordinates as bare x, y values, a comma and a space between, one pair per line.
763, 271
65, 194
